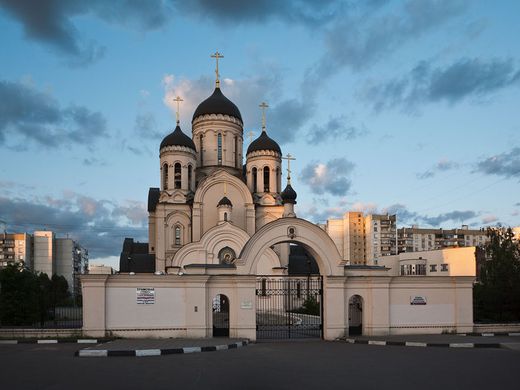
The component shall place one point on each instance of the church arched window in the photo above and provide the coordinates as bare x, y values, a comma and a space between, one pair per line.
177, 235
255, 179
266, 179
177, 175
225, 217
219, 148
278, 180
237, 161
201, 150
165, 176
190, 176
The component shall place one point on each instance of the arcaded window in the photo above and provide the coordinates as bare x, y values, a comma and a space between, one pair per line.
278, 180
219, 148
237, 155
255, 179
201, 150
165, 176
266, 179
177, 175
225, 217
190, 176
177, 235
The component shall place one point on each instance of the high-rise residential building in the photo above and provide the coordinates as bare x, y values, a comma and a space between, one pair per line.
100, 269
15, 248
380, 236
42, 252
348, 233
417, 239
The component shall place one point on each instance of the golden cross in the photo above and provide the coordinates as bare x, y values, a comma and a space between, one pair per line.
289, 157
263, 106
178, 99
250, 134
217, 55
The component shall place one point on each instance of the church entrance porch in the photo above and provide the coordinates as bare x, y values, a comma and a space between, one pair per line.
289, 307
220, 307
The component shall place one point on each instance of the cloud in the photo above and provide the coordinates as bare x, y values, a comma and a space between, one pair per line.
38, 117
506, 164
370, 33
307, 12
98, 225
487, 219
367, 208
146, 126
460, 80
456, 216
335, 128
331, 177
285, 117
51, 22
442, 166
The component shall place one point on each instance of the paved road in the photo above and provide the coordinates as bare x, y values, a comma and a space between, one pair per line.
282, 365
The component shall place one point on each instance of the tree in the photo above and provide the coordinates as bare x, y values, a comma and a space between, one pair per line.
497, 294
19, 296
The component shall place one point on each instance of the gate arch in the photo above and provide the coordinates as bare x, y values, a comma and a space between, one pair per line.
296, 230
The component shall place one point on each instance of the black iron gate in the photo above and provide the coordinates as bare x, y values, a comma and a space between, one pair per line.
289, 307
220, 307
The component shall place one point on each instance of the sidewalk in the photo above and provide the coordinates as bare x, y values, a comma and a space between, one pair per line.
158, 347
439, 340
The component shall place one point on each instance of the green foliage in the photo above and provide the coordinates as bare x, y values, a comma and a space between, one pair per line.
497, 294
309, 306
27, 298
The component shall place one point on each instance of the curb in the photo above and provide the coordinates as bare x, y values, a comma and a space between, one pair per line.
157, 352
491, 334
418, 344
53, 341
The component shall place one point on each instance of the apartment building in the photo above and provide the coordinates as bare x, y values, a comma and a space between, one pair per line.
348, 233
381, 236
417, 239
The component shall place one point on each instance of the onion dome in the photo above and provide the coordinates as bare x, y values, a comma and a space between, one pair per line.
289, 195
217, 103
225, 202
177, 138
264, 142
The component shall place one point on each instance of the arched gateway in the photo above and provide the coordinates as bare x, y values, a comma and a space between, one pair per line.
295, 307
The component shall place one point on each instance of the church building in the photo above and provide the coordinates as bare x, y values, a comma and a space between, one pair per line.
228, 256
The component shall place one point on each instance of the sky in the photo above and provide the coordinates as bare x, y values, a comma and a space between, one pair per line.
409, 107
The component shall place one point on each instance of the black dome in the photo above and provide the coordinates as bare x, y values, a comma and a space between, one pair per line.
217, 103
225, 202
264, 142
289, 195
177, 138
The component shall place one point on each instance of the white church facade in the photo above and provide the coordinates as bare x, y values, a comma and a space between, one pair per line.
222, 261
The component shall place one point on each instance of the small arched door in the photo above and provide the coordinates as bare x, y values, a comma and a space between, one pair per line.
355, 315
220, 308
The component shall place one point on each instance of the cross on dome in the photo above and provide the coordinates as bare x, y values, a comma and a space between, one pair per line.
289, 157
217, 55
178, 99
250, 135
263, 106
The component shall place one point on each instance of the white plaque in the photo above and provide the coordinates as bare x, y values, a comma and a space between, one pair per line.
246, 305
145, 295
417, 300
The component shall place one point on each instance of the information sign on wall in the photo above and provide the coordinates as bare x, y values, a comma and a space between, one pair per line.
417, 300
145, 296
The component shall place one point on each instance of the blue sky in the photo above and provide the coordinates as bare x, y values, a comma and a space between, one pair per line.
388, 106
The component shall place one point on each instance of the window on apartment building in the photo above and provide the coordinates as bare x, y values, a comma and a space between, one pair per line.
444, 267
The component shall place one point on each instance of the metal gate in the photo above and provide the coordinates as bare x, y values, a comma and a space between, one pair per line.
220, 306
289, 307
